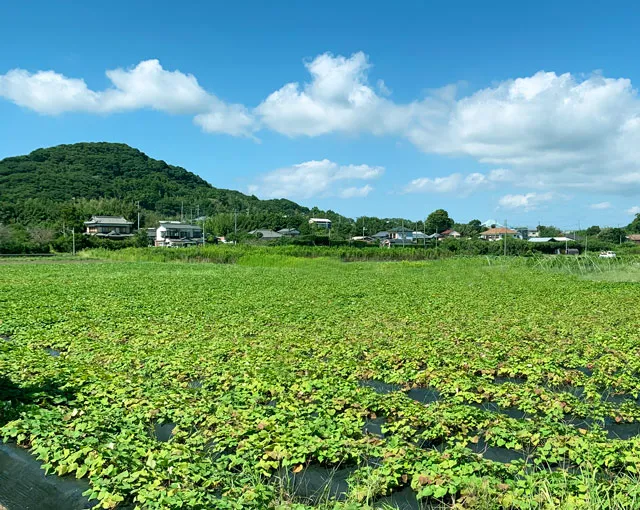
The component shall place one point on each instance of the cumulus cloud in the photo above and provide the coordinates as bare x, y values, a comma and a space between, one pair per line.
526, 202
458, 183
337, 99
146, 85
601, 205
634, 210
316, 178
552, 131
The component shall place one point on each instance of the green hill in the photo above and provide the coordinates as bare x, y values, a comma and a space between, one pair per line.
108, 174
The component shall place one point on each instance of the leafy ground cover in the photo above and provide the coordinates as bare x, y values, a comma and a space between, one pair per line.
322, 383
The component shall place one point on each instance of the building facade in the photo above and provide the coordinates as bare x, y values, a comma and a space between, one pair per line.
176, 233
109, 227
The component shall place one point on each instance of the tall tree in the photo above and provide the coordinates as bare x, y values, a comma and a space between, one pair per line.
634, 226
438, 221
613, 235
548, 231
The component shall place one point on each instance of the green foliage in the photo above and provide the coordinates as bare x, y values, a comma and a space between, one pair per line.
548, 231
594, 230
634, 226
71, 182
613, 235
438, 221
277, 365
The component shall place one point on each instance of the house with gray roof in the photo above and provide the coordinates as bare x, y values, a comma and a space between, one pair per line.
291, 232
265, 234
109, 227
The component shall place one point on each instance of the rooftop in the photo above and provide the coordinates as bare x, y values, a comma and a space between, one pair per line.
108, 220
498, 231
177, 224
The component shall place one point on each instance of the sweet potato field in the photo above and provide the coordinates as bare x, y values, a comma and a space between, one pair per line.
437, 384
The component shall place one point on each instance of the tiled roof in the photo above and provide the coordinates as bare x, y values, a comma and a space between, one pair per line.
498, 231
108, 220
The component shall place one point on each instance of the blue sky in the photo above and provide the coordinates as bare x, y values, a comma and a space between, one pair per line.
488, 109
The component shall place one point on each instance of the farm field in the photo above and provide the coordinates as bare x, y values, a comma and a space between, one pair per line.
320, 383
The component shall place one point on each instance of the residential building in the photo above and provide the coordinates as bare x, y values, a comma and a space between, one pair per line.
320, 222
109, 227
401, 233
559, 239
451, 233
291, 232
523, 232
382, 235
498, 233
635, 238
176, 233
265, 234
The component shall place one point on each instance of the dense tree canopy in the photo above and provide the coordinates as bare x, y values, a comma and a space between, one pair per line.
634, 226
548, 231
111, 178
438, 221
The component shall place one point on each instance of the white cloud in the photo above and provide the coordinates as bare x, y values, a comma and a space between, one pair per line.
601, 205
634, 210
459, 184
550, 130
526, 202
146, 85
337, 99
354, 191
315, 178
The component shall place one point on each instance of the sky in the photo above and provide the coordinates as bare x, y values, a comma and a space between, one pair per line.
520, 111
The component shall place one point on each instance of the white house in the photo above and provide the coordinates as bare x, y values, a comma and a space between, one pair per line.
320, 222
496, 234
109, 227
176, 233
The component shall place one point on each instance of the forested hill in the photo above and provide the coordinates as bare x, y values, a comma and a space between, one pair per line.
114, 172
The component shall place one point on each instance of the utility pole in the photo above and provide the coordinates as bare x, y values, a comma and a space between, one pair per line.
138, 214
403, 233
73, 237
424, 233
182, 211
505, 237
235, 227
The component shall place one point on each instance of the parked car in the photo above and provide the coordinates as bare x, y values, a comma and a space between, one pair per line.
607, 254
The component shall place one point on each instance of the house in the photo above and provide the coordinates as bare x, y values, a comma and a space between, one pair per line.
320, 222
634, 238
265, 234
498, 233
291, 232
364, 239
523, 232
559, 239
451, 233
401, 233
382, 235
176, 233
416, 235
388, 243
109, 227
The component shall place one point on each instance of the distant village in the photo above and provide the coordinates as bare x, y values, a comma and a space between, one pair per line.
173, 233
